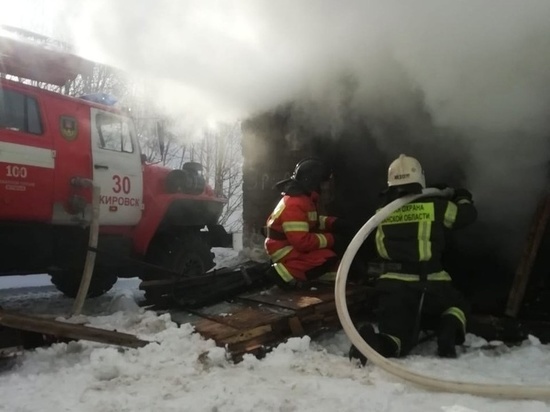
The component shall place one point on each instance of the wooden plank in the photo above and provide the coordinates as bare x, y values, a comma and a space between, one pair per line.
258, 346
326, 307
297, 300
313, 317
247, 335
523, 272
214, 330
256, 340
243, 316
68, 330
289, 300
296, 326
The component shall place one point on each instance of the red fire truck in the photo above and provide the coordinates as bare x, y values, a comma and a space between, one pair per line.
150, 217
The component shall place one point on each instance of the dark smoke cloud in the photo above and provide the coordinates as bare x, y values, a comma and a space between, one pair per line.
464, 76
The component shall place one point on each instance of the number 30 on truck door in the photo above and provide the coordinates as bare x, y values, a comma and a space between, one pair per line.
121, 184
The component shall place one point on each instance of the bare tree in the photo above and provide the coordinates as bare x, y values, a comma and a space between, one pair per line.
103, 79
219, 151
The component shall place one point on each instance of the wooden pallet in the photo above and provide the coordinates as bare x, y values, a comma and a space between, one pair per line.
255, 322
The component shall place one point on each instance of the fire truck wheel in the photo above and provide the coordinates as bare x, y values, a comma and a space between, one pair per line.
189, 255
68, 283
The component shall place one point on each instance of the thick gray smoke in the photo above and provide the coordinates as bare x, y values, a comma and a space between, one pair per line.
478, 70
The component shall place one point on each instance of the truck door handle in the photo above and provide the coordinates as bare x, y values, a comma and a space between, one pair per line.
101, 167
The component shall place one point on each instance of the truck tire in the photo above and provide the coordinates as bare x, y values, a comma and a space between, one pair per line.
188, 255
191, 256
68, 282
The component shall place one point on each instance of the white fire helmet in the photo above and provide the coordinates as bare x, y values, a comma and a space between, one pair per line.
405, 170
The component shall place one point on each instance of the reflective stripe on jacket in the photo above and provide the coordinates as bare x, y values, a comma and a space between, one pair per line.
416, 231
406, 277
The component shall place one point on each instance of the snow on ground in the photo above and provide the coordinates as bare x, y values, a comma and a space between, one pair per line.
180, 371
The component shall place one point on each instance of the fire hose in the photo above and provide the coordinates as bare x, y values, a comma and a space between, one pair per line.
393, 368
92, 244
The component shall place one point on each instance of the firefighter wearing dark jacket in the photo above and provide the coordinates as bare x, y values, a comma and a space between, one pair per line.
414, 284
300, 241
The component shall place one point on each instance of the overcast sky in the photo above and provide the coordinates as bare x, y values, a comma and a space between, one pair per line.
235, 57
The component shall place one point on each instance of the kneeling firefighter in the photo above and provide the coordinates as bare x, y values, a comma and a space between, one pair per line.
413, 283
302, 244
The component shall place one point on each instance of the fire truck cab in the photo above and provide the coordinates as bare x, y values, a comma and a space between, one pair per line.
49, 144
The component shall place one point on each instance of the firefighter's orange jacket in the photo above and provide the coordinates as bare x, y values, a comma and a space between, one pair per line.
304, 230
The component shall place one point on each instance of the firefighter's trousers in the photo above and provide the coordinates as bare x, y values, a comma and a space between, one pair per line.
306, 266
398, 304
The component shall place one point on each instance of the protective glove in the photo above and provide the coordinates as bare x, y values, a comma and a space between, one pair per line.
462, 194
445, 188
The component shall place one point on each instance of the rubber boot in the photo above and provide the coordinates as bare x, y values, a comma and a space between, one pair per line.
369, 335
382, 344
274, 276
449, 329
324, 272
388, 348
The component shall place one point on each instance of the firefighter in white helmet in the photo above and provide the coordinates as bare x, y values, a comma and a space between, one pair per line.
406, 172
413, 282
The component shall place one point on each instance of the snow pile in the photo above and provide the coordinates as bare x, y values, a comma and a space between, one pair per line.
181, 371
